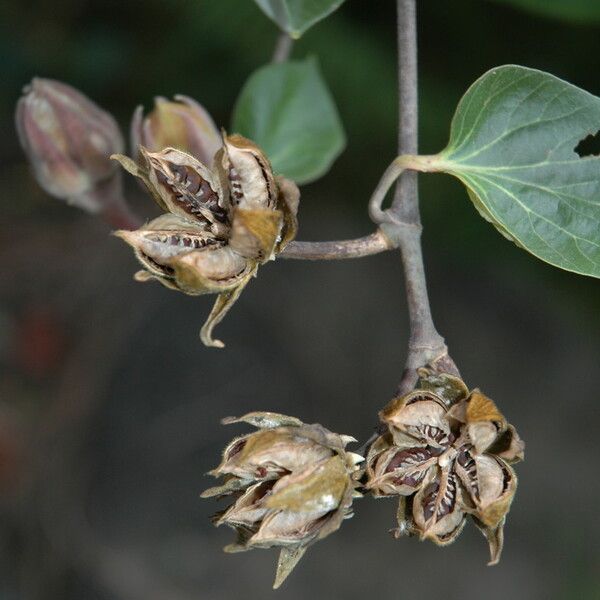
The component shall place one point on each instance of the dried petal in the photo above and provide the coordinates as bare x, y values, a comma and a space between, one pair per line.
183, 124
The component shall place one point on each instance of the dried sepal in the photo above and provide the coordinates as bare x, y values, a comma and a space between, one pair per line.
449, 388
216, 268
222, 305
233, 484
297, 485
141, 172
287, 202
255, 231
495, 539
288, 559
264, 420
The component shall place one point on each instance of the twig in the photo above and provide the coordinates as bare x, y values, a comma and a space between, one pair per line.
365, 246
402, 222
283, 48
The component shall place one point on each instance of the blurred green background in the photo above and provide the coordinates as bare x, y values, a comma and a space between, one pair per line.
101, 464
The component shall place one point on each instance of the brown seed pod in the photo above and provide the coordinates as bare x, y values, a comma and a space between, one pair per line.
292, 484
446, 453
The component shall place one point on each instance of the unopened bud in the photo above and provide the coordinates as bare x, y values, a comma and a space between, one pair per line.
183, 124
69, 140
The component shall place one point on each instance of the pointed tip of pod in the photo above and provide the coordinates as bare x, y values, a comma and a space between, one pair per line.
348, 439
130, 237
355, 458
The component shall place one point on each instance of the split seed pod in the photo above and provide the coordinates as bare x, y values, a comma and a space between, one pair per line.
447, 454
292, 484
221, 222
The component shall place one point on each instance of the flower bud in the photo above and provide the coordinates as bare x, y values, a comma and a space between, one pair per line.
293, 485
183, 124
446, 453
69, 140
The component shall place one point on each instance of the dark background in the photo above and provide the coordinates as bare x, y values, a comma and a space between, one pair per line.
110, 406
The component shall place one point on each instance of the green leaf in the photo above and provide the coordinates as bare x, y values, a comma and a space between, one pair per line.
296, 16
512, 143
288, 111
582, 11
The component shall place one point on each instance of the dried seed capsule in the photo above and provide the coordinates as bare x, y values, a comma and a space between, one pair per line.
294, 484
183, 124
446, 453
209, 244
69, 140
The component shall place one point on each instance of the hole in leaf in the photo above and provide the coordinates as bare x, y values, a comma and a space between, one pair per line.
589, 146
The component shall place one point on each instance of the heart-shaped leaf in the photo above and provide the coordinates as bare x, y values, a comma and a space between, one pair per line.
523, 143
296, 16
583, 11
288, 111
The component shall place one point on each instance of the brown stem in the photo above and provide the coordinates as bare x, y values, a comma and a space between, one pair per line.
365, 246
283, 48
403, 222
